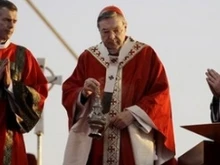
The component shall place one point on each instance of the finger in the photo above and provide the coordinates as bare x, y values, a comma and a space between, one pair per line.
87, 91
89, 88
8, 67
209, 74
93, 82
212, 73
210, 83
93, 85
120, 125
113, 121
118, 122
90, 82
211, 86
210, 79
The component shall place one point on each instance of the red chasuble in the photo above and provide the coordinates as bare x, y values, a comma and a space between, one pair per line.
12, 147
144, 84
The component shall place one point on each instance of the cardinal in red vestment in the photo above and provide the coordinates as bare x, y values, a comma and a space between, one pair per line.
134, 91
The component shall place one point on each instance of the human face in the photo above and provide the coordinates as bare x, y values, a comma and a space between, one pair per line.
8, 20
112, 31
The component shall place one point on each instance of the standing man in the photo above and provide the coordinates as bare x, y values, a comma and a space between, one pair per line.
213, 80
135, 95
23, 90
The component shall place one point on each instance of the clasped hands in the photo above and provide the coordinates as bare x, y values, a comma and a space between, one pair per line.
5, 73
122, 119
213, 79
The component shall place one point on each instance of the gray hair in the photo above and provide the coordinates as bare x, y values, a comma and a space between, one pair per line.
110, 14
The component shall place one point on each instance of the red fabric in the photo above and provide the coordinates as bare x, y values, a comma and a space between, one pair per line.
113, 9
31, 159
144, 83
33, 77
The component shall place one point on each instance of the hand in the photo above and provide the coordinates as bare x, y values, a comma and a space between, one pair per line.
7, 76
122, 119
213, 79
91, 85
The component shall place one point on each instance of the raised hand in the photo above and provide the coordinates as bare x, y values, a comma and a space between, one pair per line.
7, 76
91, 85
213, 79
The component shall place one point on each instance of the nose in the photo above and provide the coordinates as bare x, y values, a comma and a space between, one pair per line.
11, 24
112, 35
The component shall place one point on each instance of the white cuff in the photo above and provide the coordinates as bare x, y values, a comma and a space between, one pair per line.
10, 88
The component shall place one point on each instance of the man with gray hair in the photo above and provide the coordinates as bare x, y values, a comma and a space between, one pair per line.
134, 90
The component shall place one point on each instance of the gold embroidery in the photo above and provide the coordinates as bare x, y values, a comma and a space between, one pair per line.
8, 148
112, 134
95, 51
113, 59
36, 100
137, 47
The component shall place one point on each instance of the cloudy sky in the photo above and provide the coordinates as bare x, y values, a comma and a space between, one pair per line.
185, 34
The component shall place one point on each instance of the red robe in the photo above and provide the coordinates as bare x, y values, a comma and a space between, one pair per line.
144, 83
34, 78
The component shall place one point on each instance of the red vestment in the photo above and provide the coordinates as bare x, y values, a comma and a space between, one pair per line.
144, 84
11, 141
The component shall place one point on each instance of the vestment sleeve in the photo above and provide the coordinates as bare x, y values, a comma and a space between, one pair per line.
71, 89
156, 100
215, 110
29, 93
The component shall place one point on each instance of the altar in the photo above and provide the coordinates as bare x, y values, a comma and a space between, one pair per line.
207, 152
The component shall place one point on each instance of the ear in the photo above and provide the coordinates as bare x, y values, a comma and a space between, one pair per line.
125, 27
